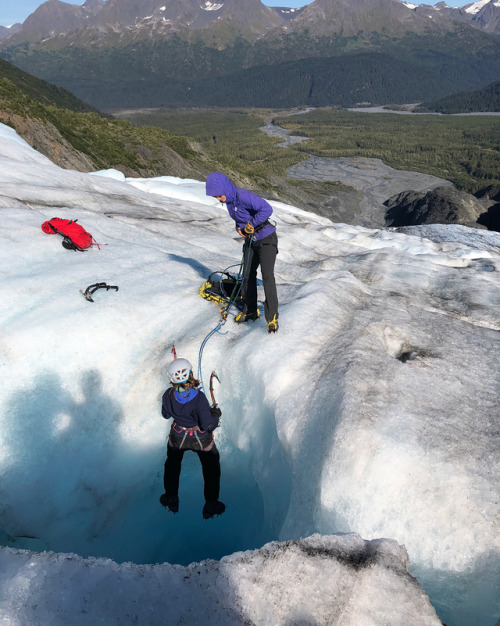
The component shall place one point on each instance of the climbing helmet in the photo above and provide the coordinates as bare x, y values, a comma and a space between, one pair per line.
179, 370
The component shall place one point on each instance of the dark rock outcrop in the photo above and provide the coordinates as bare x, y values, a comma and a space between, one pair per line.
491, 218
489, 193
442, 205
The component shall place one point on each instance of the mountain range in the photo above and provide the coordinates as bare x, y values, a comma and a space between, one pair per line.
484, 14
136, 53
161, 17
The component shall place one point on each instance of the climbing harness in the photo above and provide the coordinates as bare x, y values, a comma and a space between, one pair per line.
192, 431
91, 289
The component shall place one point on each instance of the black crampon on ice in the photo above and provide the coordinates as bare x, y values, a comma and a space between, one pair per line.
213, 508
170, 502
91, 289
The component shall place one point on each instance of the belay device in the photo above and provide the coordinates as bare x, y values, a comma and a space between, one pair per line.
91, 289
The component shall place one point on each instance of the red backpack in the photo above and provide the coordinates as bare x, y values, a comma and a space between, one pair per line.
75, 237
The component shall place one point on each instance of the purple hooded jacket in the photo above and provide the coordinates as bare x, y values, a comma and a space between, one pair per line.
243, 205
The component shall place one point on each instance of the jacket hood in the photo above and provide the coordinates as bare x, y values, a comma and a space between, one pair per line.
220, 185
184, 398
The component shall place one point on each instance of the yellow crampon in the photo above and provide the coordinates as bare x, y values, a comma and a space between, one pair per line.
272, 326
241, 318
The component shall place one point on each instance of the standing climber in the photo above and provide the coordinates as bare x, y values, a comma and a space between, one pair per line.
192, 429
251, 215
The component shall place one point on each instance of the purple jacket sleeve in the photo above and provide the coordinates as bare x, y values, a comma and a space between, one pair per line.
252, 208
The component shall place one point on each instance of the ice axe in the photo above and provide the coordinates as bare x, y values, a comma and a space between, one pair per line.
214, 409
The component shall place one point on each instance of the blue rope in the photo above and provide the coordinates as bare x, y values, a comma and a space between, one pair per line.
204, 343
225, 311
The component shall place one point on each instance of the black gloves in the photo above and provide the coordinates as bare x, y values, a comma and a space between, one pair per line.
215, 411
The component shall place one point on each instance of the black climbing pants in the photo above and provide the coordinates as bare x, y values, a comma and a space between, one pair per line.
262, 253
210, 466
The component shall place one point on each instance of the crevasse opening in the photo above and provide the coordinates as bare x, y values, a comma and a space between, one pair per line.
75, 484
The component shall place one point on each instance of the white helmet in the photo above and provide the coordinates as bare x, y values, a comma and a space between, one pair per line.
179, 370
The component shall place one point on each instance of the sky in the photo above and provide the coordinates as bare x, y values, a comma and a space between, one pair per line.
325, 428
17, 11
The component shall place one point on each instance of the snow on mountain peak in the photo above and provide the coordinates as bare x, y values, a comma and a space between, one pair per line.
212, 6
476, 6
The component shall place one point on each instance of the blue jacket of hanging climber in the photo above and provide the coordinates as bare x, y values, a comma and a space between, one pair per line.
243, 206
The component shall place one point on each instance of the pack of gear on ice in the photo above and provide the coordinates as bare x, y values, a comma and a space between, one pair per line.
75, 237
220, 288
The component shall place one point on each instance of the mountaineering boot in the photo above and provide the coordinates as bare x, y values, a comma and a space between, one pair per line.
213, 508
172, 502
241, 318
272, 326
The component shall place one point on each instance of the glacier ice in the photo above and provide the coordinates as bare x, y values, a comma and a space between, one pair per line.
374, 410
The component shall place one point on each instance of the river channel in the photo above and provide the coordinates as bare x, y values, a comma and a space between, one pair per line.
376, 180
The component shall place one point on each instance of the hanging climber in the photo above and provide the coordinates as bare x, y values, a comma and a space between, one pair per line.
251, 215
192, 429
